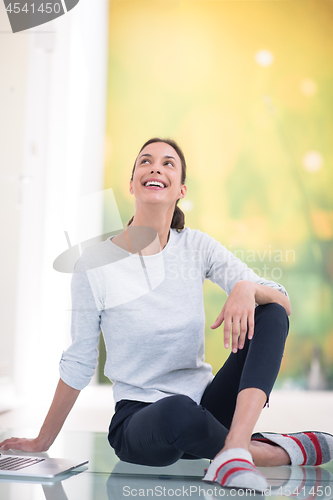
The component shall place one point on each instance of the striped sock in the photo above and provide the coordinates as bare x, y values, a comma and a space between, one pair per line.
304, 448
234, 468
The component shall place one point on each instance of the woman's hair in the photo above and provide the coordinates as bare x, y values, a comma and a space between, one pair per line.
178, 219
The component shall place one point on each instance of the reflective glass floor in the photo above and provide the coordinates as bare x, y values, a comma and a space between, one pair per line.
108, 478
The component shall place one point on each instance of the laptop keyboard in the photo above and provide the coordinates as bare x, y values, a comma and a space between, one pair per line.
17, 463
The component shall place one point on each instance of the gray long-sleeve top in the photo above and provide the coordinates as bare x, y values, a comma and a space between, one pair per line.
151, 312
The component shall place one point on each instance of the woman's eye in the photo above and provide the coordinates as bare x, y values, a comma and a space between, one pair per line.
166, 163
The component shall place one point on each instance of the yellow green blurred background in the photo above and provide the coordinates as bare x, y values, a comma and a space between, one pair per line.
246, 89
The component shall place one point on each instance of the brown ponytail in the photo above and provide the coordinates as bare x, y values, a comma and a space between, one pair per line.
178, 219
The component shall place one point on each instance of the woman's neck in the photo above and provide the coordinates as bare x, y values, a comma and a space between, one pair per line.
161, 224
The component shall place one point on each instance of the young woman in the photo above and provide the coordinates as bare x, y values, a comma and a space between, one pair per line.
168, 403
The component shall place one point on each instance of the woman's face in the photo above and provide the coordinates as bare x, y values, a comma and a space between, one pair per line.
158, 161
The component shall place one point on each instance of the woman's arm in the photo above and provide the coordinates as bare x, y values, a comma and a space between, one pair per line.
77, 363
265, 294
238, 310
63, 401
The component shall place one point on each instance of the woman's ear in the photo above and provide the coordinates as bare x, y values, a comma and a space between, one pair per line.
183, 190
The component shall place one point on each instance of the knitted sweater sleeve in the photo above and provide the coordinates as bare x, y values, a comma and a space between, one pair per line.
79, 361
225, 269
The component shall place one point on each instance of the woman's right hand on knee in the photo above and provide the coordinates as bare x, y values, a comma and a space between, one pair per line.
238, 315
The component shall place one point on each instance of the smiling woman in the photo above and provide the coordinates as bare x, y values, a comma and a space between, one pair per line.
169, 405
172, 164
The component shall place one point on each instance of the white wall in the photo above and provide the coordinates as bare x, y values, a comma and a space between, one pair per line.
54, 140
13, 95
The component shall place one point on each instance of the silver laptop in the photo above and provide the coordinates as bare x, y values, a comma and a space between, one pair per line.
35, 466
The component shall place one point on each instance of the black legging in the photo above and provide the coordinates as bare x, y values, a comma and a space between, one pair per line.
174, 427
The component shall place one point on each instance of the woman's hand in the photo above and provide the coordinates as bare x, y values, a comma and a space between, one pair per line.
63, 401
238, 311
22, 444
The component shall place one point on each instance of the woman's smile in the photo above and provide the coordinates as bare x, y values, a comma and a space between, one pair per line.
154, 187
155, 182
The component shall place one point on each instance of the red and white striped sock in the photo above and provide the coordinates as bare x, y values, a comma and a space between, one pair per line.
304, 448
234, 468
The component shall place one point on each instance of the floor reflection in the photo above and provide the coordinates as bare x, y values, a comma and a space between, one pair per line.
302, 482
109, 478
128, 481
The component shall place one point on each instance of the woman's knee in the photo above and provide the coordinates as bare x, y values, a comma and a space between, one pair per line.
183, 416
275, 314
176, 407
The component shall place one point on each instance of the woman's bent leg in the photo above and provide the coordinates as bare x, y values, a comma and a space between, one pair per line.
161, 432
256, 365
254, 369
